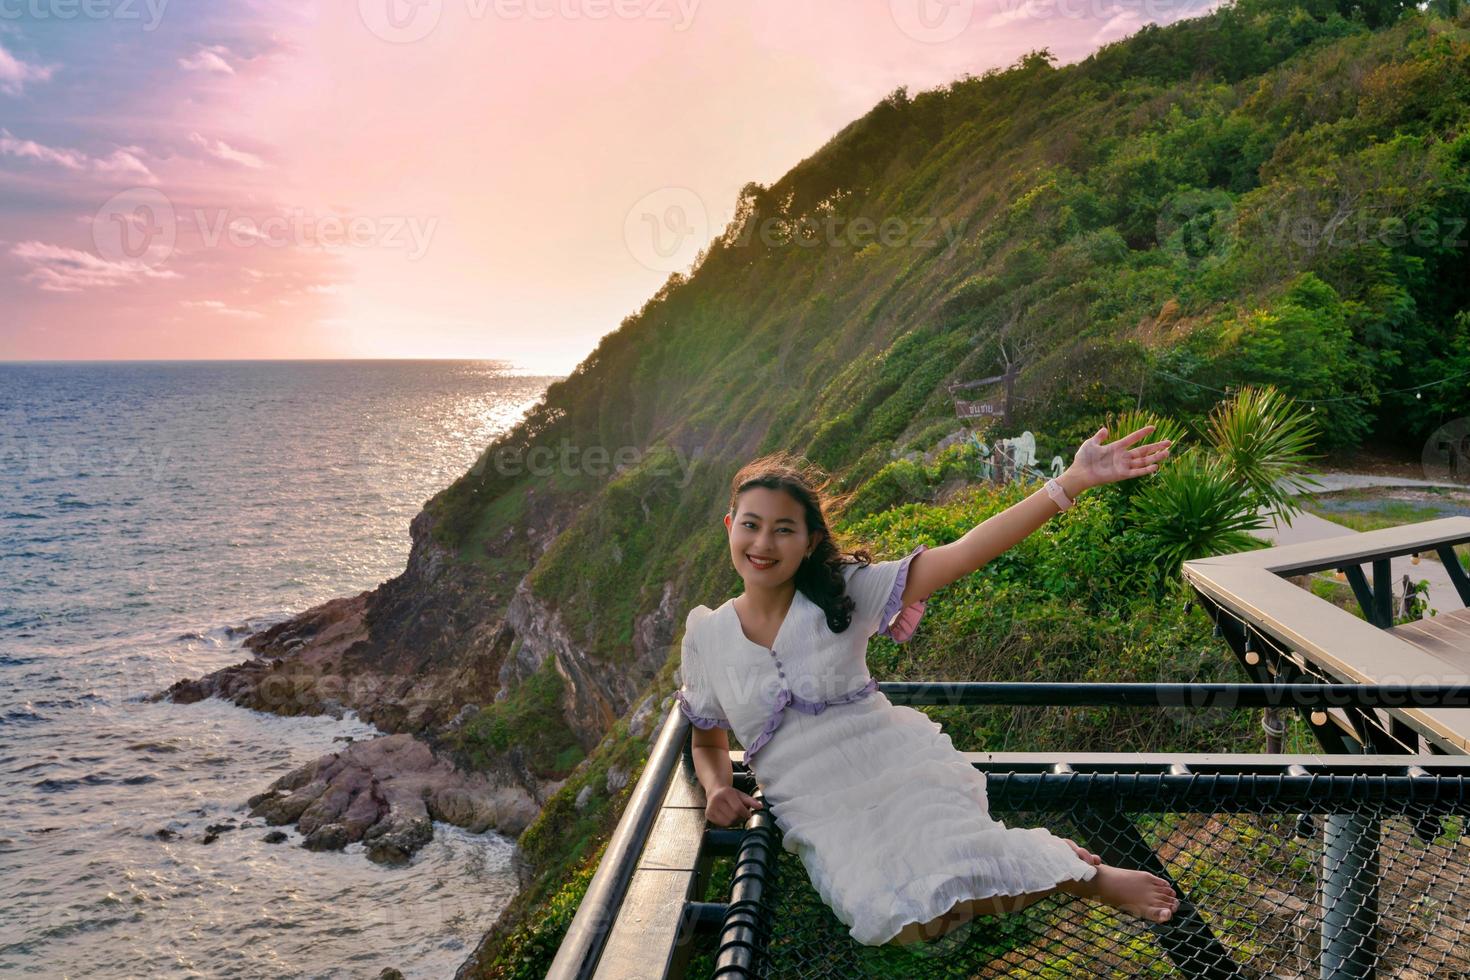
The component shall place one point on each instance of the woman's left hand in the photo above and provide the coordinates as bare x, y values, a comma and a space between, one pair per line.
1097, 463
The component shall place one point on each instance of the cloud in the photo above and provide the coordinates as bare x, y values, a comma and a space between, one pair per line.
14, 73
209, 57
1014, 10
57, 269
224, 309
123, 161
221, 150
1119, 25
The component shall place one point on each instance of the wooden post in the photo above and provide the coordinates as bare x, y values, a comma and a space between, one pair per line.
1010, 379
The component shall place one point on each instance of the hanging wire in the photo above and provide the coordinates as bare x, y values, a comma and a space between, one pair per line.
1321, 401
1384, 732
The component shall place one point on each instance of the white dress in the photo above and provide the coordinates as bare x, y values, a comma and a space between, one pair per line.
890, 820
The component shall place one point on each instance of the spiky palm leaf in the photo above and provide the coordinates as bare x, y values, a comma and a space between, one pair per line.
1262, 437
1165, 427
1192, 508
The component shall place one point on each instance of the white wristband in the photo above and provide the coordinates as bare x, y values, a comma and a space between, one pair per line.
1055, 491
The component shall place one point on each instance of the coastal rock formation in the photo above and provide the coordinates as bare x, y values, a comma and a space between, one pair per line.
384, 792
416, 657
358, 653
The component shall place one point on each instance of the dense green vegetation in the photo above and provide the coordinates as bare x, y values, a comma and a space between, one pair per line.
529, 723
1273, 194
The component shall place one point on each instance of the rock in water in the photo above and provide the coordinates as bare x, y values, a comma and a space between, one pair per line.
386, 792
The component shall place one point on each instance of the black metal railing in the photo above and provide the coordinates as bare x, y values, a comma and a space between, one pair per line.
769, 924
1342, 812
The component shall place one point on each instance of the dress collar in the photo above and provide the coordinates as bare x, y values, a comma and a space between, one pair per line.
730, 611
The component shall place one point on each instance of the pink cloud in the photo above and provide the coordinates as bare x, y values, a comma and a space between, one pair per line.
15, 74
208, 58
123, 161
57, 269
224, 309
221, 150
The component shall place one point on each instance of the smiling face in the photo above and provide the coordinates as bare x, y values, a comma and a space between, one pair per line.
769, 525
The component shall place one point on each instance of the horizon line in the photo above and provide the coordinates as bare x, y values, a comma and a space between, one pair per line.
255, 360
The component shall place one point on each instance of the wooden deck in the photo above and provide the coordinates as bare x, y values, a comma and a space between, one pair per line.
1317, 635
1446, 636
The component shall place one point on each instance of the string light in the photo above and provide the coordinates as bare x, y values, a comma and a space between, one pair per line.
1318, 716
1313, 402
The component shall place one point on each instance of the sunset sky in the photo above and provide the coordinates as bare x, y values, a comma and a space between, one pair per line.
428, 178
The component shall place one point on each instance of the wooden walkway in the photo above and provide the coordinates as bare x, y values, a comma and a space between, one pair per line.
1446, 636
1299, 636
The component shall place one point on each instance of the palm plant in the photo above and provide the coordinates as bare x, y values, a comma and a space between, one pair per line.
1207, 499
1194, 506
1262, 438
1165, 427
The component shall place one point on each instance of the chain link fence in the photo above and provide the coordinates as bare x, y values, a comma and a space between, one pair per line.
1280, 874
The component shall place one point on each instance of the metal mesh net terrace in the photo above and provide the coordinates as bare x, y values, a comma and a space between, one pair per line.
1280, 875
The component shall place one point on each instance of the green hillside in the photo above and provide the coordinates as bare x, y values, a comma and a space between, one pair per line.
1275, 193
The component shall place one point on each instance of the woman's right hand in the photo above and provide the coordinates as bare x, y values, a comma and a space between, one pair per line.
728, 806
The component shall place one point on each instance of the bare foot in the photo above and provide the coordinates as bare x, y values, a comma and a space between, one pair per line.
1083, 852
1137, 892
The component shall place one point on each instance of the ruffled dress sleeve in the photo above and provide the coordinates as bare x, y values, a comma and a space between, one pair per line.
877, 591
696, 696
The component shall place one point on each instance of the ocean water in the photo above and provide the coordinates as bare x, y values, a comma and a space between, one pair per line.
151, 515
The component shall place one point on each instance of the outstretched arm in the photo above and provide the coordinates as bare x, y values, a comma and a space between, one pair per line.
1094, 464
